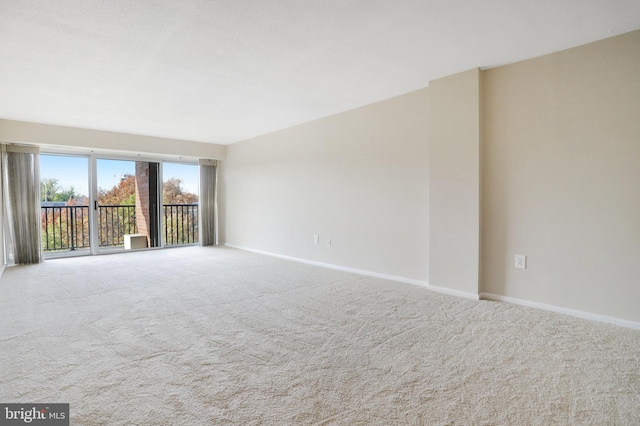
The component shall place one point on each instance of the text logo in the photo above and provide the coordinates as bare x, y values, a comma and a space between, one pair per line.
34, 414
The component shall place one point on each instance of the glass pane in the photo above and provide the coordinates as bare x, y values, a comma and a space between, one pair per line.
180, 203
64, 204
116, 202
128, 204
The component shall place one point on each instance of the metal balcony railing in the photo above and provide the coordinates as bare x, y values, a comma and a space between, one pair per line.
114, 222
180, 224
67, 227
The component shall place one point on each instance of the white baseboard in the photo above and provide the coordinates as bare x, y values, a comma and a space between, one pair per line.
488, 296
453, 292
627, 324
335, 267
566, 311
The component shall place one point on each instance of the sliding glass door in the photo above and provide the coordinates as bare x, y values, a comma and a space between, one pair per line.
64, 205
180, 204
96, 205
126, 205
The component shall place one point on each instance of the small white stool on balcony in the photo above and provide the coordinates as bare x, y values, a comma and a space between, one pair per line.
135, 241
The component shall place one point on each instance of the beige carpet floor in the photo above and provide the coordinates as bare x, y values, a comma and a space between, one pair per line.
197, 336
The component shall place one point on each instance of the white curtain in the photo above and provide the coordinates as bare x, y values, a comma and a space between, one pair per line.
207, 204
21, 201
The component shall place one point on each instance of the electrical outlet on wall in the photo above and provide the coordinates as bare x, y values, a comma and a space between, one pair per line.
329, 242
316, 239
521, 261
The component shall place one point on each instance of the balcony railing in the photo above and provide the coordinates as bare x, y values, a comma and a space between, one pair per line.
114, 222
67, 227
180, 224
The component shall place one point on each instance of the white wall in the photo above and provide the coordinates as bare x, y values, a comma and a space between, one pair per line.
359, 178
454, 182
561, 178
559, 171
118, 143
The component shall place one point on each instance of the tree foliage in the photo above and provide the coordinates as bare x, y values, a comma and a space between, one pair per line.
50, 190
121, 194
124, 193
174, 193
113, 222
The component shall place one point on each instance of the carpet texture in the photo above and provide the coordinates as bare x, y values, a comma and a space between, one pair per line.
196, 336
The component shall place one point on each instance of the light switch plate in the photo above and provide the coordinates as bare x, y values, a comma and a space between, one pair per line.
521, 261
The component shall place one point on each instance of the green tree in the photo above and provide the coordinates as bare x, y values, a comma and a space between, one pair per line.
48, 189
65, 195
63, 227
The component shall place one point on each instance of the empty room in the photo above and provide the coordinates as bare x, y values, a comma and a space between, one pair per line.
320, 212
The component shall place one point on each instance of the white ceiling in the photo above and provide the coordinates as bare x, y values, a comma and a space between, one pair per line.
221, 71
